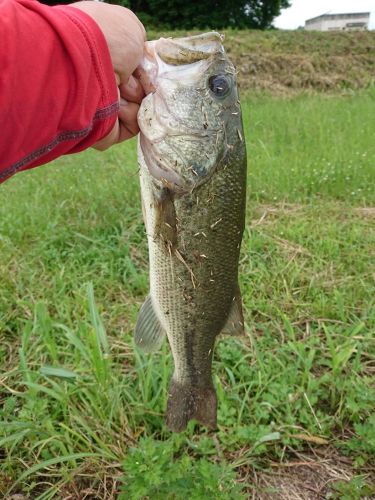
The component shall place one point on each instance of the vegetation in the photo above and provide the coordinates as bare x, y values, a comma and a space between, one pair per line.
288, 62
179, 14
81, 410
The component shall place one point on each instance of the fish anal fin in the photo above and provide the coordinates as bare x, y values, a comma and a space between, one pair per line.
149, 333
235, 321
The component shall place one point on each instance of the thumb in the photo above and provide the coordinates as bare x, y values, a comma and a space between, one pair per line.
125, 127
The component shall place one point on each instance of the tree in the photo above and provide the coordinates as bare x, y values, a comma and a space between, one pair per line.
262, 13
186, 14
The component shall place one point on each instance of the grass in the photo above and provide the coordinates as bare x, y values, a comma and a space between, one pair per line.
295, 42
81, 410
286, 62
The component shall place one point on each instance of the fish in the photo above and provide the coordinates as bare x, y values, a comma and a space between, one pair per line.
192, 162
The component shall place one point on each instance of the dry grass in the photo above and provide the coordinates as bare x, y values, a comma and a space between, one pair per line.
306, 478
287, 62
290, 62
289, 73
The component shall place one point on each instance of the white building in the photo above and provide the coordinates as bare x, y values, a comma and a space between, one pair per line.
339, 22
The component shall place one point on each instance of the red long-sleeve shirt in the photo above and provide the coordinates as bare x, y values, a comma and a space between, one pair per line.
58, 91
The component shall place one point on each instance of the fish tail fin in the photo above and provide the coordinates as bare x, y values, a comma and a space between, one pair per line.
186, 402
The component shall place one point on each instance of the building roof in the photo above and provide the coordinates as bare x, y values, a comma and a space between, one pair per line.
350, 15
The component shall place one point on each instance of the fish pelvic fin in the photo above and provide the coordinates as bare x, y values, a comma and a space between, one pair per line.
187, 402
149, 333
235, 321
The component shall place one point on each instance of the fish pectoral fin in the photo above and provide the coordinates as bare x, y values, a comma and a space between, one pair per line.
144, 214
235, 322
149, 333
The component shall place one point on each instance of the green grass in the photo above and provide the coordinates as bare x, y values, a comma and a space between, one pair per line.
81, 409
305, 149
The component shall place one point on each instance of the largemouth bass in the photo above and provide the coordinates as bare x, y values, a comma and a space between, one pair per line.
192, 161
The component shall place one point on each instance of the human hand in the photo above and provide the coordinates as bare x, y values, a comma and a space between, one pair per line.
125, 36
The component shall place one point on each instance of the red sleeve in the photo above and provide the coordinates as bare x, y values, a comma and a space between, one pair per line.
58, 91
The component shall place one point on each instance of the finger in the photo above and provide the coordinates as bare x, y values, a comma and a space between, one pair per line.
132, 90
125, 127
109, 139
128, 120
133, 33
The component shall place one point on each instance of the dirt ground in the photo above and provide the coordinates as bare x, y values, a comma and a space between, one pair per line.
310, 476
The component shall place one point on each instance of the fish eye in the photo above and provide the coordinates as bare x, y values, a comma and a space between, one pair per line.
219, 85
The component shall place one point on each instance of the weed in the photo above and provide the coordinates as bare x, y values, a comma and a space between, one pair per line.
82, 410
165, 470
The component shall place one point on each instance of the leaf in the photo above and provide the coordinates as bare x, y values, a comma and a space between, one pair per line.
13, 437
344, 355
273, 436
96, 321
41, 388
54, 371
309, 438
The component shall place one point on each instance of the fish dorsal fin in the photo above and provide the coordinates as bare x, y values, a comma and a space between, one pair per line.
235, 322
149, 333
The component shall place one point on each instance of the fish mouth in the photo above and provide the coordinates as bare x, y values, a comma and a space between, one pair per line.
160, 125
167, 164
187, 50
169, 123
163, 136
161, 170
160, 55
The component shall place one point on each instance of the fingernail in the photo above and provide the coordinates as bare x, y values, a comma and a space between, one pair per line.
123, 102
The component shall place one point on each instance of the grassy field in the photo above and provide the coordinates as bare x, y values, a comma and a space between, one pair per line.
81, 411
